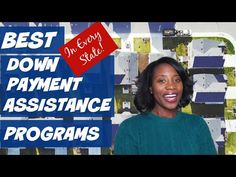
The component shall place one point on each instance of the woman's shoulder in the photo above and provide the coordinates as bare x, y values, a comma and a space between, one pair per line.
192, 117
134, 119
189, 115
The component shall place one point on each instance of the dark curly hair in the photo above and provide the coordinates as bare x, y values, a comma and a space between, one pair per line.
144, 100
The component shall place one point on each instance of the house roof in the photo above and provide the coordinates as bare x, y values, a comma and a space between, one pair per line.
210, 97
206, 47
220, 77
158, 27
119, 78
127, 27
208, 62
126, 67
209, 82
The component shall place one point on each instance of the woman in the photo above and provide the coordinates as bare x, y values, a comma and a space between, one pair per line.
160, 128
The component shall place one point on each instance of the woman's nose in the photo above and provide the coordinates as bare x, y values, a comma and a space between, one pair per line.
170, 86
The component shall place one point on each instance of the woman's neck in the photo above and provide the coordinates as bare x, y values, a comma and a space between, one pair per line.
164, 113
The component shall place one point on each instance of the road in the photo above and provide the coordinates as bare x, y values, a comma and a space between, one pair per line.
230, 125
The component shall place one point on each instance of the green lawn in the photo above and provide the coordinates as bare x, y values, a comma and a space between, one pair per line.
184, 65
181, 50
118, 42
229, 72
187, 109
142, 45
230, 145
229, 109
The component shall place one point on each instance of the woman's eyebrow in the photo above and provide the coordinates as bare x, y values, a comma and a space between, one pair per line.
161, 75
166, 75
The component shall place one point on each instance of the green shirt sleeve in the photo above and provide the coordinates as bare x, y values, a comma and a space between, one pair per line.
126, 140
206, 143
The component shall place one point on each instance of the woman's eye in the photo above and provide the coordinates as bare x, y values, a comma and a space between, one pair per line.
161, 81
177, 80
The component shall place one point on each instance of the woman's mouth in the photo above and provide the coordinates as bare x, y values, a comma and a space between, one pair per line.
171, 98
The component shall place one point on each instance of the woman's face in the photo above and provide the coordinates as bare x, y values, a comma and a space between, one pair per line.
167, 88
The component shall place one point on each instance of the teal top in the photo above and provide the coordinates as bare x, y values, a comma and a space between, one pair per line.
147, 133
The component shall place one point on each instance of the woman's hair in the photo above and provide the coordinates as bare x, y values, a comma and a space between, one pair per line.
144, 100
